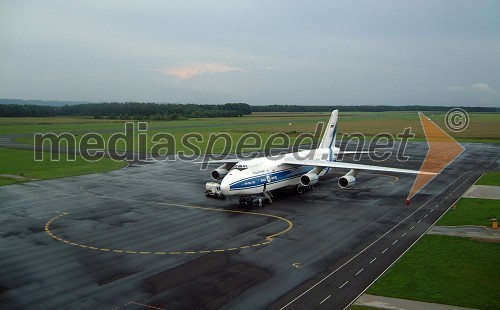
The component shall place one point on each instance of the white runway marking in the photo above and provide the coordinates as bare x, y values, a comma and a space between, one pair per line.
325, 299
374, 242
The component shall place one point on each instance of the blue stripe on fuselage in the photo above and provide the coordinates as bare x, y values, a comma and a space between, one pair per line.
275, 177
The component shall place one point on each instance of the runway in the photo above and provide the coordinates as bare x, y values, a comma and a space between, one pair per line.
147, 235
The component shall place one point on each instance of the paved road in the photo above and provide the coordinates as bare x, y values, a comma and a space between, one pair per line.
381, 302
485, 234
483, 191
147, 235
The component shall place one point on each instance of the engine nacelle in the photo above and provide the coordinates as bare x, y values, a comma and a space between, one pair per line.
309, 179
220, 172
347, 181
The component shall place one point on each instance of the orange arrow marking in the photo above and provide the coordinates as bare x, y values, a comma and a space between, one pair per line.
443, 150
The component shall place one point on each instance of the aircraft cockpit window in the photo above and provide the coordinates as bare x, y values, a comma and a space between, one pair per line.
240, 167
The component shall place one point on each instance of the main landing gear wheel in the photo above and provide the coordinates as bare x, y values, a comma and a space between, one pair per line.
246, 202
302, 189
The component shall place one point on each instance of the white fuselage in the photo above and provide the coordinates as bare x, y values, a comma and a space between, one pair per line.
254, 176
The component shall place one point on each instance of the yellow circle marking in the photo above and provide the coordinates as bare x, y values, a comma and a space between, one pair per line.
268, 239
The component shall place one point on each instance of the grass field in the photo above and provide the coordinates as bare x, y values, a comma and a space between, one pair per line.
472, 211
447, 270
484, 127
490, 178
21, 163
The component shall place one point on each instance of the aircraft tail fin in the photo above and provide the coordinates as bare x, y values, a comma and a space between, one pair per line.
328, 140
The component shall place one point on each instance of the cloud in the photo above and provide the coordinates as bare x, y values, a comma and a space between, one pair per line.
192, 70
476, 87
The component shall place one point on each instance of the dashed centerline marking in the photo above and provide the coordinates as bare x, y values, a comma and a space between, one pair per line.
404, 234
395, 242
385, 250
373, 260
325, 299
371, 244
412, 227
362, 269
343, 284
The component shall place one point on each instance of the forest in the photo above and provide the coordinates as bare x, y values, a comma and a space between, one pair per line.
129, 110
171, 111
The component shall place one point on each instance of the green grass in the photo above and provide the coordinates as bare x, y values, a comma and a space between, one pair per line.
490, 178
446, 270
472, 211
22, 163
483, 128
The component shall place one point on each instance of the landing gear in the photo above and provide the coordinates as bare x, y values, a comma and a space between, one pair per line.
251, 201
302, 189
246, 202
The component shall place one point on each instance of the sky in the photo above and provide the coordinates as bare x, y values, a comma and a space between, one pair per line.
260, 52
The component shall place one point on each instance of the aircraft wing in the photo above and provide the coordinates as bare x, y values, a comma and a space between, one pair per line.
221, 161
343, 165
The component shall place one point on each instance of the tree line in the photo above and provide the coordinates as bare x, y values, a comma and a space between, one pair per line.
156, 111
129, 110
364, 108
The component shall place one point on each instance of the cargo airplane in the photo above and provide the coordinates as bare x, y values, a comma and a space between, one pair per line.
259, 176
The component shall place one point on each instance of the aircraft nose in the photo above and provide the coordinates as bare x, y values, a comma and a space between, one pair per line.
224, 187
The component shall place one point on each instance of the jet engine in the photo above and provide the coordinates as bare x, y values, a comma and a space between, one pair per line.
349, 179
309, 179
220, 172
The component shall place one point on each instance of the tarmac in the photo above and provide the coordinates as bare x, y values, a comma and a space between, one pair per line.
147, 235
